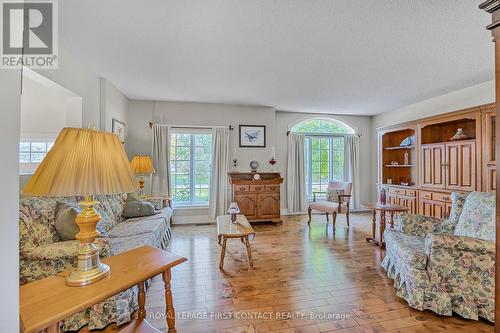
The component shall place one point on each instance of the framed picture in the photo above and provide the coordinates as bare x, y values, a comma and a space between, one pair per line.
118, 128
253, 136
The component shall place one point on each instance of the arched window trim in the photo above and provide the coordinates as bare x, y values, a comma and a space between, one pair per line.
349, 127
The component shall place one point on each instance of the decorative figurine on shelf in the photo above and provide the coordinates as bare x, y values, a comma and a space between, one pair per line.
389, 181
460, 135
407, 158
382, 196
234, 210
408, 141
254, 165
394, 163
272, 161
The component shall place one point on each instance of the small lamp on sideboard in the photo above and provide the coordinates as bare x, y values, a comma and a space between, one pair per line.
142, 165
84, 162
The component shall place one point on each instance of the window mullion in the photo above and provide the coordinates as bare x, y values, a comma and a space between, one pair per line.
191, 167
309, 175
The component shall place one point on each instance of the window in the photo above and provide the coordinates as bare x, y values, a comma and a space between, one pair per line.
190, 165
324, 153
31, 154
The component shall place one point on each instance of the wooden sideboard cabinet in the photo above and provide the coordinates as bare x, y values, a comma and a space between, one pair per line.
406, 197
259, 200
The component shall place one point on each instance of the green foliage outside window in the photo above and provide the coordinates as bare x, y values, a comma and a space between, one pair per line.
324, 152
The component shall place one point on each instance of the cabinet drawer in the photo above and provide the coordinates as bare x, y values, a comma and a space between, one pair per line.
411, 193
446, 197
257, 188
241, 188
395, 190
272, 188
426, 195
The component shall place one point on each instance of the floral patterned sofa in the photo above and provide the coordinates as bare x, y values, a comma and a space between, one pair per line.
446, 265
42, 253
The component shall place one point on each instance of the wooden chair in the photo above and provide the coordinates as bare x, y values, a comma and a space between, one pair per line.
341, 206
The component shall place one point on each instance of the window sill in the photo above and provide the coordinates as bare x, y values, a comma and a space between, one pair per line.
189, 207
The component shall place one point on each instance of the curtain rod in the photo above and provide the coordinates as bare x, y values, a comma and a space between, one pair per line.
325, 134
189, 126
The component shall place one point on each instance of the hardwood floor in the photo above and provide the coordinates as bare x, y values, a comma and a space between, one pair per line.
298, 274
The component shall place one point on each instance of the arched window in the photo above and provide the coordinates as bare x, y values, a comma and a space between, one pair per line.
324, 151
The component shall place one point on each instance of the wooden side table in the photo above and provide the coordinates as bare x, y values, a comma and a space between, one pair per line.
240, 229
45, 303
382, 209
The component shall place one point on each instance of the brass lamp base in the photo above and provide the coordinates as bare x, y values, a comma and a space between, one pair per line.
141, 186
89, 268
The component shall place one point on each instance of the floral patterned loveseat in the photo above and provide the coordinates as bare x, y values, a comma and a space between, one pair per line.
42, 253
446, 265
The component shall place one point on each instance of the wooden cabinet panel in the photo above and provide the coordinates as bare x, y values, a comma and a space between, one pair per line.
426, 207
489, 158
259, 200
461, 166
426, 166
247, 204
438, 166
452, 165
491, 182
438, 210
432, 166
268, 205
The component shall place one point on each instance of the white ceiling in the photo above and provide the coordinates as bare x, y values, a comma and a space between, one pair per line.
337, 56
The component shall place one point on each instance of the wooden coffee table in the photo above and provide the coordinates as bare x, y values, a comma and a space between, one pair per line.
382, 209
240, 229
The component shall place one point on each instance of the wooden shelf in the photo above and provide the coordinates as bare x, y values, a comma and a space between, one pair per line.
399, 165
399, 147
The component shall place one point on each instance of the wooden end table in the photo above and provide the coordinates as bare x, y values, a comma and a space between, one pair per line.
382, 209
240, 229
45, 303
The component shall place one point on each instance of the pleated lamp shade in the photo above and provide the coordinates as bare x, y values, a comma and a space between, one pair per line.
141, 164
83, 162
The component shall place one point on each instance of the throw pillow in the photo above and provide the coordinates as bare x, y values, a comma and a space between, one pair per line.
478, 216
138, 208
64, 223
332, 194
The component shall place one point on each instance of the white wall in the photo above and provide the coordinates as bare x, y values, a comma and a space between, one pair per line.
361, 124
201, 114
47, 108
479, 94
114, 105
73, 75
10, 83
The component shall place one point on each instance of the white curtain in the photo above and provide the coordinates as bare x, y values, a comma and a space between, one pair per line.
351, 167
161, 150
296, 176
219, 197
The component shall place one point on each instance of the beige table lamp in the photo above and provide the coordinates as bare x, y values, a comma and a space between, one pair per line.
85, 163
142, 165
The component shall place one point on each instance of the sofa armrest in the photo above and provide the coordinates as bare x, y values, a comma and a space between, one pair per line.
420, 225
64, 250
458, 243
